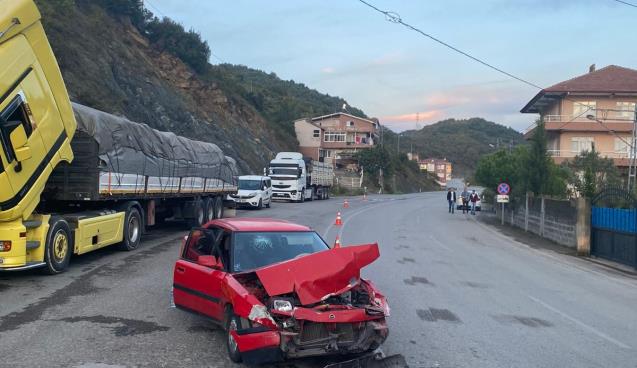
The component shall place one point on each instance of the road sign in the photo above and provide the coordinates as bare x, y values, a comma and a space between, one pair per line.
502, 198
504, 188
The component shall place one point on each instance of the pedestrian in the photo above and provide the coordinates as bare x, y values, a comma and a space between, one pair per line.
473, 199
451, 199
465, 202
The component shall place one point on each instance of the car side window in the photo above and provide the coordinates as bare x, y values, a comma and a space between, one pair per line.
268, 183
200, 243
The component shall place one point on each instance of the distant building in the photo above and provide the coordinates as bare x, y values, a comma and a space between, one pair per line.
413, 156
336, 138
441, 169
596, 109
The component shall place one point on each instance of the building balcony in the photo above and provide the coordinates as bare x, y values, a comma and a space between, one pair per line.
619, 158
612, 121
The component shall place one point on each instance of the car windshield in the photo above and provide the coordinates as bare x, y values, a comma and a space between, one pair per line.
247, 184
253, 250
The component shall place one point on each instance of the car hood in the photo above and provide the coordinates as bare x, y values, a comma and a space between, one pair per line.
245, 192
317, 276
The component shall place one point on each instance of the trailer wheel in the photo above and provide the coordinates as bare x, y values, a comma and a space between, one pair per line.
218, 207
210, 209
199, 214
132, 229
57, 253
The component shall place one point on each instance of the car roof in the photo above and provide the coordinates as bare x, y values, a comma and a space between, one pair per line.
253, 177
257, 224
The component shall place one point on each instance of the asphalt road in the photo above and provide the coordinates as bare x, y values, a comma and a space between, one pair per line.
462, 295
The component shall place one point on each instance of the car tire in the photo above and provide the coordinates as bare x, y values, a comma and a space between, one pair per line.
260, 205
269, 202
132, 229
232, 323
57, 252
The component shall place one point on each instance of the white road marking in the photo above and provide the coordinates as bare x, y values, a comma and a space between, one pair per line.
581, 324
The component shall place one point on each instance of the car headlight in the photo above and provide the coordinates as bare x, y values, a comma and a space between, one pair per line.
282, 305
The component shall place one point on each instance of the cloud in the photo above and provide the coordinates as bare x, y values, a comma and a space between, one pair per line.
414, 117
327, 70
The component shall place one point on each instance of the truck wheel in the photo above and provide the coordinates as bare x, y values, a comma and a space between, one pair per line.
210, 209
57, 253
132, 229
218, 207
232, 324
302, 196
311, 194
200, 215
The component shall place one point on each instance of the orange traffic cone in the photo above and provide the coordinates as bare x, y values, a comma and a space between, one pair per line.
345, 203
338, 221
337, 242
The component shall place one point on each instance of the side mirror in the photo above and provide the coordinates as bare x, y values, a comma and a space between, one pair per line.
18, 138
209, 261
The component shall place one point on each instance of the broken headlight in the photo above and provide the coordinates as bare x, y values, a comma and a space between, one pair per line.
282, 305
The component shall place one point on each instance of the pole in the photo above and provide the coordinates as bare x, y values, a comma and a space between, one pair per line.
502, 221
632, 170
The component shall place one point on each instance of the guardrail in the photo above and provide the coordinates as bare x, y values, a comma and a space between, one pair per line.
568, 153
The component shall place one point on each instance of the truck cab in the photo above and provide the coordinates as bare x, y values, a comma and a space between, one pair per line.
36, 127
289, 177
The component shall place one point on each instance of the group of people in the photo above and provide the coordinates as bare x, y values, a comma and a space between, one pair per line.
468, 201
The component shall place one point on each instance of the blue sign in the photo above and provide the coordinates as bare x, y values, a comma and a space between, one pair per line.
504, 188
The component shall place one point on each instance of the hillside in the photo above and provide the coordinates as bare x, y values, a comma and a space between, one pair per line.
124, 61
462, 142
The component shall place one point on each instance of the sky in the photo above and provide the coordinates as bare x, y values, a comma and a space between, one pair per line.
344, 48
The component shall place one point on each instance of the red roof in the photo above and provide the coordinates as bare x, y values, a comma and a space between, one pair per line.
258, 224
612, 78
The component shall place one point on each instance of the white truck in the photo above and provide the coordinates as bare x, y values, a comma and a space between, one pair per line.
298, 179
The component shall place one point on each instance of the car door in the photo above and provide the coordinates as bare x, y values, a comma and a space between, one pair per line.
197, 287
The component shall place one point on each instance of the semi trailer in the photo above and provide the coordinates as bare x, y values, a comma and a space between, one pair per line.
74, 179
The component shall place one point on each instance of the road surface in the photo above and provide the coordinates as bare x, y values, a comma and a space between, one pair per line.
462, 295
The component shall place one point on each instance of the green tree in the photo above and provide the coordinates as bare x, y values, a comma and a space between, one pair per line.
588, 173
538, 164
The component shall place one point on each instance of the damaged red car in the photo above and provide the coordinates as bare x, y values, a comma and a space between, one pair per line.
279, 290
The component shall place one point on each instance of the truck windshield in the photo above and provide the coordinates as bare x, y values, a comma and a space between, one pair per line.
286, 171
252, 250
249, 184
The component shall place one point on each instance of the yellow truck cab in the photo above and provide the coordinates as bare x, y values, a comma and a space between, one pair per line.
53, 205
36, 127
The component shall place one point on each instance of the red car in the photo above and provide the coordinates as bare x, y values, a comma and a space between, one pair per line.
279, 290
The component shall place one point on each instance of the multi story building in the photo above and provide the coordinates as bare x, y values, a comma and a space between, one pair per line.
440, 168
336, 138
596, 109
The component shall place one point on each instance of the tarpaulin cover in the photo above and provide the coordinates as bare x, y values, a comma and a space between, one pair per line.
127, 147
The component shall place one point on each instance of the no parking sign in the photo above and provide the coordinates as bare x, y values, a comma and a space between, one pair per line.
504, 188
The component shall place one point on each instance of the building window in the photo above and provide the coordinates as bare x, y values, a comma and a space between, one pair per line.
583, 108
349, 124
316, 133
581, 144
325, 153
622, 146
334, 137
627, 110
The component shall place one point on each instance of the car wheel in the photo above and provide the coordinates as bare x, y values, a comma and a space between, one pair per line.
269, 202
260, 205
132, 229
232, 324
57, 253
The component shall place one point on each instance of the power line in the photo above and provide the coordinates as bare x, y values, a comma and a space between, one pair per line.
626, 3
394, 17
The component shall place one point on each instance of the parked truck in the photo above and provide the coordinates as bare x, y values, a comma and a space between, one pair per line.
74, 179
298, 179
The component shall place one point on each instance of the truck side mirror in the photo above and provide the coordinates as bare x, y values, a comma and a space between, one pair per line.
18, 138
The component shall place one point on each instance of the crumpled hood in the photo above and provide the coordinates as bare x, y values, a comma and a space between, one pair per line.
316, 276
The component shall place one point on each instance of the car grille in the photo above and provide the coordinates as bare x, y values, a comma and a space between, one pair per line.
316, 331
281, 186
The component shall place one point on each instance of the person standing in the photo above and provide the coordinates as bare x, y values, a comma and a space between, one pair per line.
464, 197
451, 199
473, 199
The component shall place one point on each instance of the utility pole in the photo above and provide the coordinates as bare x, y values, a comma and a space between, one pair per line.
632, 170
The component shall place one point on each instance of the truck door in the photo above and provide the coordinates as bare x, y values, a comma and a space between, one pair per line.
31, 129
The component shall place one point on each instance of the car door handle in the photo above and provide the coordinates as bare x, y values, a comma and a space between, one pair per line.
181, 269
